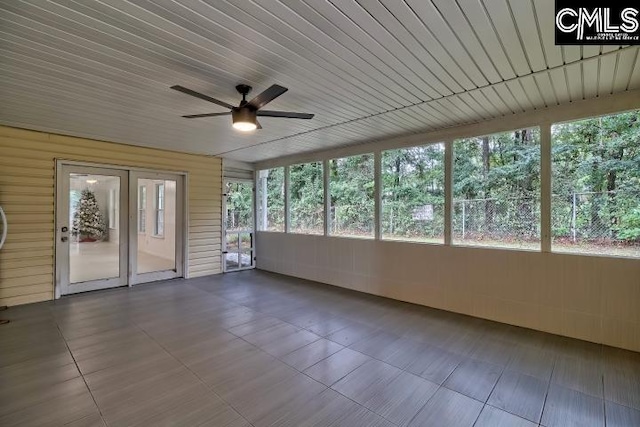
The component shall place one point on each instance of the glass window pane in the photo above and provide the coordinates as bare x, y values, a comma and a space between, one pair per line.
496, 190
157, 246
94, 250
270, 215
352, 196
160, 196
595, 205
142, 206
306, 198
413, 194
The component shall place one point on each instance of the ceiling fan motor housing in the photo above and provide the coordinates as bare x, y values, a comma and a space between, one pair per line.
243, 114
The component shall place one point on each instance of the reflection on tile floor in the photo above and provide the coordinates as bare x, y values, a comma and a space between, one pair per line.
101, 260
259, 349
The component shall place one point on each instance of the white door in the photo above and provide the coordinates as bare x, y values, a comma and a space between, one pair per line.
238, 238
156, 224
91, 229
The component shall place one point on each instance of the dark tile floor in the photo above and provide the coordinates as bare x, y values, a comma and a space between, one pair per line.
259, 349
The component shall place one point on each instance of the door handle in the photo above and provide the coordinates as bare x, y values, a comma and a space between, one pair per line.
64, 238
3, 237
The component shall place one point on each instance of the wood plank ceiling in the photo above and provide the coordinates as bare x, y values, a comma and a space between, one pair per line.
368, 69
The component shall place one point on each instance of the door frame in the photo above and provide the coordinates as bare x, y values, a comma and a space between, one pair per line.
183, 227
224, 225
134, 277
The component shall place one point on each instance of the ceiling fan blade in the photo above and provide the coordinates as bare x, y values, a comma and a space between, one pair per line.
267, 96
286, 114
259, 126
201, 96
197, 116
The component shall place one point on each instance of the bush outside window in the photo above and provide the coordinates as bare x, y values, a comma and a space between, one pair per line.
596, 185
496, 190
270, 198
352, 191
413, 194
306, 198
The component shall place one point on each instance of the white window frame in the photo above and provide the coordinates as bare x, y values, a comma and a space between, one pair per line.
113, 208
142, 209
158, 230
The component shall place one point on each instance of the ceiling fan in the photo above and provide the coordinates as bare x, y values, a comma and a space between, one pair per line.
244, 116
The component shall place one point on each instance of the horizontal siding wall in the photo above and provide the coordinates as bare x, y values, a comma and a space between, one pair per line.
27, 185
586, 297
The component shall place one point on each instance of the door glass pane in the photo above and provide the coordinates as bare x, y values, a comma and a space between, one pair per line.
238, 225
94, 209
156, 225
246, 251
239, 206
245, 259
232, 247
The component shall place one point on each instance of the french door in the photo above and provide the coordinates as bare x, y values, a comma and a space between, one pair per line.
238, 226
155, 239
116, 227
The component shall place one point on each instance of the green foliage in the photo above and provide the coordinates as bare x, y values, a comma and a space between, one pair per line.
599, 160
630, 226
413, 182
275, 200
239, 205
496, 185
352, 188
306, 196
88, 221
497, 177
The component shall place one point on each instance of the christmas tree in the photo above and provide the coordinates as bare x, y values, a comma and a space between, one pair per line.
88, 221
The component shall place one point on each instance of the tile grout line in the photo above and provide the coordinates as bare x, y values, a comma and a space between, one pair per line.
304, 373
95, 402
347, 397
193, 373
404, 370
295, 326
546, 395
604, 401
302, 328
348, 347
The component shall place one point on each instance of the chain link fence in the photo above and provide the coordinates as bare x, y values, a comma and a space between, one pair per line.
352, 220
508, 220
586, 222
412, 221
609, 217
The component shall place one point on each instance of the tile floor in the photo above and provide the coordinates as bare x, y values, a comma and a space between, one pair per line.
101, 260
258, 349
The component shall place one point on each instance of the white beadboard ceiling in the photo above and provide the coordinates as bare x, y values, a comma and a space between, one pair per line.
368, 69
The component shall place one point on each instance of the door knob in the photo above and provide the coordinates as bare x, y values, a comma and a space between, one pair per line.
64, 238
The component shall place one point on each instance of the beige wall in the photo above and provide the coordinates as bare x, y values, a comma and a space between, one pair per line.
587, 297
27, 184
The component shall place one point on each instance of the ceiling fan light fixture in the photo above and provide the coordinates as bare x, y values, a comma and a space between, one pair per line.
244, 116
244, 119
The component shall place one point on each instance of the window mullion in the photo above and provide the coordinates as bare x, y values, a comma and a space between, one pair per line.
448, 191
545, 187
377, 171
